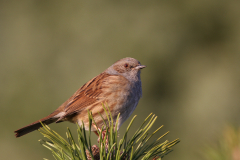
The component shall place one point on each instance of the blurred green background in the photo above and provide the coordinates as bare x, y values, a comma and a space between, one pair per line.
48, 49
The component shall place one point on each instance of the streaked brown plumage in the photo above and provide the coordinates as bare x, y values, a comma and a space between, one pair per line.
119, 86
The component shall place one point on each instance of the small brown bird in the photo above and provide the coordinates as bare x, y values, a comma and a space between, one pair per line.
119, 86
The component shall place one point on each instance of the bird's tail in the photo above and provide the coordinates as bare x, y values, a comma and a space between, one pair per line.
35, 125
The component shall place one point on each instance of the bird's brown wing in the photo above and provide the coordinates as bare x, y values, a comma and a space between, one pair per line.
88, 94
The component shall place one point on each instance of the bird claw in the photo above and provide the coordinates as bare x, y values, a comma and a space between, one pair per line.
103, 137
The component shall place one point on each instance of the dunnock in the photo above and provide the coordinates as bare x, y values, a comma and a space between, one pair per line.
119, 86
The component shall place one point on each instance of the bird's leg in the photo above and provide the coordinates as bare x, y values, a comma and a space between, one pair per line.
96, 131
103, 134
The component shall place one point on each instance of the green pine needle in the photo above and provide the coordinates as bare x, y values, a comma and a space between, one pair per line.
135, 148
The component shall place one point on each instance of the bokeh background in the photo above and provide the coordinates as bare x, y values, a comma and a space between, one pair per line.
48, 49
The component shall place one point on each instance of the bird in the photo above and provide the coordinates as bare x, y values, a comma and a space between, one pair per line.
119, 86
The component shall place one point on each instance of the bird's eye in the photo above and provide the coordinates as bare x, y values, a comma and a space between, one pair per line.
125, 65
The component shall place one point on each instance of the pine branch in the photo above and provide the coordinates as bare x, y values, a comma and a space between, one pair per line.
135, 148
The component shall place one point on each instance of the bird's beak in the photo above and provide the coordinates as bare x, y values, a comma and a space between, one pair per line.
140, 67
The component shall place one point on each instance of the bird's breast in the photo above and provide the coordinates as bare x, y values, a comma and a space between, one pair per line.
126, 101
